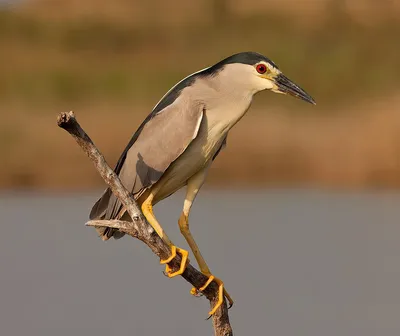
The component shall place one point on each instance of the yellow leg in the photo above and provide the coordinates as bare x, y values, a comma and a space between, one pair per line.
193, 187
147, 209
184, 226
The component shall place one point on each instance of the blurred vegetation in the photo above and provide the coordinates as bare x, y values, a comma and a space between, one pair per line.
90, 57
114, 60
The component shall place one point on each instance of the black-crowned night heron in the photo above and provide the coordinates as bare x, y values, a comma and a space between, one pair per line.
181, 137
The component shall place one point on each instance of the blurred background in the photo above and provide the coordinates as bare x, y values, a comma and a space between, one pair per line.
112, 61
321, 204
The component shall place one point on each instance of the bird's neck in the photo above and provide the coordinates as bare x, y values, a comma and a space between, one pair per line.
232, 102
225, 109
225, 103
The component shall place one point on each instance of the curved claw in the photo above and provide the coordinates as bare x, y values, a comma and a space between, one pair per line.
221, 293
229, 299
184, 254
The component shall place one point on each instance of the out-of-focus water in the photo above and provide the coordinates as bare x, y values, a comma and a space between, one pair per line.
296, 263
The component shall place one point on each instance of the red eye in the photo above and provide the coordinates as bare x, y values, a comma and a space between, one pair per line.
261, 68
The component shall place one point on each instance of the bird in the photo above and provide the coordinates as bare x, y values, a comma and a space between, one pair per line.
179, 140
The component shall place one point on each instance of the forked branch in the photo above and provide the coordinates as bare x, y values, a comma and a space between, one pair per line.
139, 228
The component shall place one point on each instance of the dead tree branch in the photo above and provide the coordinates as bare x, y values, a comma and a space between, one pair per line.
139, 228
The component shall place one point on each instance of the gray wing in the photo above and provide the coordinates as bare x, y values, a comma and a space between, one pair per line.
158, 142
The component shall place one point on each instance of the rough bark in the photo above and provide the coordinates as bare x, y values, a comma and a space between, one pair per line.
139, 228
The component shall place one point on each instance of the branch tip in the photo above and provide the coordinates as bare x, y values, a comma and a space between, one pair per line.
66, 119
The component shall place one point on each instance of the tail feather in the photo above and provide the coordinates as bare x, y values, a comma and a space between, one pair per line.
100, 207
99, 211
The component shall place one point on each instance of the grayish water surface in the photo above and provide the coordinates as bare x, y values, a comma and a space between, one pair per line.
296, 263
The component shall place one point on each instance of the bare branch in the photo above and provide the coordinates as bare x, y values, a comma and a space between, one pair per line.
139, 228
114, 224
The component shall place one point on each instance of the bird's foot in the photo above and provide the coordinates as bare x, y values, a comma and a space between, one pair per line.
221, 292
184, 254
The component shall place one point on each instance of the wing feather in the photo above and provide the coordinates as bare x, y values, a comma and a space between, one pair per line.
158, 142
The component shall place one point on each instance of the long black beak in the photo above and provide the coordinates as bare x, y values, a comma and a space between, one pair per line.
285, 85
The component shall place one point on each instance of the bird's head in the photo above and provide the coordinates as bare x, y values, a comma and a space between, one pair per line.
256, 72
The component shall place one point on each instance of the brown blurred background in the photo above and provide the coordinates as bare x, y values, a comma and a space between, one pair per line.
111, 61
